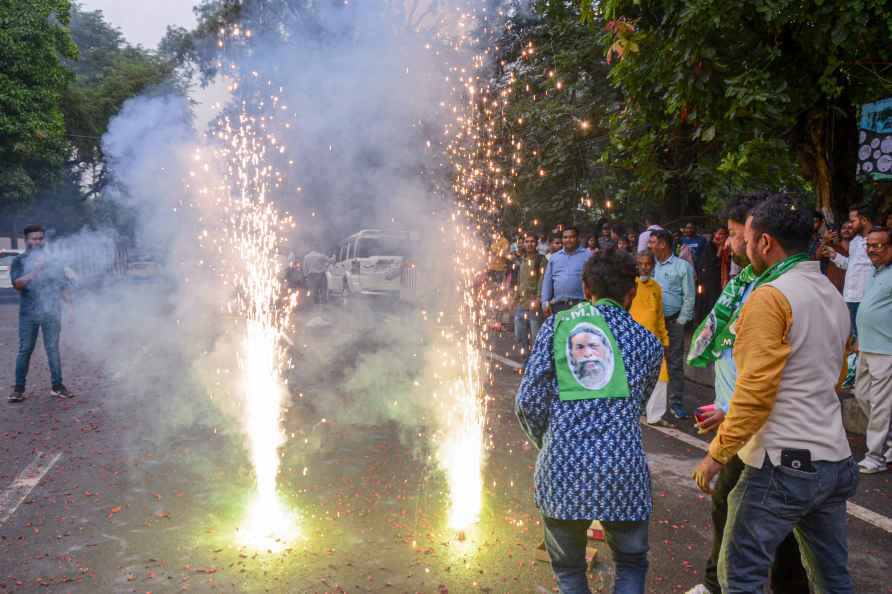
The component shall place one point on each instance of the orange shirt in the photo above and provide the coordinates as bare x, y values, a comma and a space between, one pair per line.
761, 351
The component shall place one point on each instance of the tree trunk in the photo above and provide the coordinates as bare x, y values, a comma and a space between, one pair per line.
827, 150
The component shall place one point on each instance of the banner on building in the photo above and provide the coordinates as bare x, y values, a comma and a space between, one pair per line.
875, 140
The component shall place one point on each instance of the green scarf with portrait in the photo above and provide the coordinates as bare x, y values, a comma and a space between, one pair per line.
716, 332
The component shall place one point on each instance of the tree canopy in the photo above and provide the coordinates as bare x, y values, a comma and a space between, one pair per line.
34, 40
582, 147
64, 74
108, 72
735, 80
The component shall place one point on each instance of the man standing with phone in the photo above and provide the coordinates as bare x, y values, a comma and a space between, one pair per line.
857, 265
785, 419
41, 283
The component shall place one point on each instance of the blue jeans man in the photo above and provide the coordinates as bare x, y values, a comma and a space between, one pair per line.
526, 326
770, 502
565, 541
30, 324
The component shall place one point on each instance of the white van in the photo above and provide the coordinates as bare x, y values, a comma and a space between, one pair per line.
371, 262
6, 258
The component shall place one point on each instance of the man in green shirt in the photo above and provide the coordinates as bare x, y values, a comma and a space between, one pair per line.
873, 381
528, 315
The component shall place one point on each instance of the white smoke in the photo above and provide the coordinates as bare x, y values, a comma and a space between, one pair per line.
370, 109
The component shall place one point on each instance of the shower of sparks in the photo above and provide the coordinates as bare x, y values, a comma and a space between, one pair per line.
462, 446
254, 234
479, 188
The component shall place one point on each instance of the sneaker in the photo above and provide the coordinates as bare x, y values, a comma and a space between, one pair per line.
678, 411
61, 391
17, 395
662, 423
870, 467
699, 589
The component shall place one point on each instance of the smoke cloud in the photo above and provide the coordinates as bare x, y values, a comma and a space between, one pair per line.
369, 99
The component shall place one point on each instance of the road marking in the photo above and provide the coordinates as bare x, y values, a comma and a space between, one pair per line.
681, 436
871, 517
862, 513
506, 361
21, 487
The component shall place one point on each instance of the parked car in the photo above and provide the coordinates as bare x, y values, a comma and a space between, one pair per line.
6, 258
371, 262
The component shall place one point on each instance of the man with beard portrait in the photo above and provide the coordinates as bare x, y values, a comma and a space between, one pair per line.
589, 356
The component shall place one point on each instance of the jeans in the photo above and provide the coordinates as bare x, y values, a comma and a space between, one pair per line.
770, 502
853, 313
29, 325
787, 574
675, 359
565, 541
526, 327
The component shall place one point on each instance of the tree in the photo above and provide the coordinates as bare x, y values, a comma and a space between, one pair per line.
34, 41
108, 72
580, 147
95, 79
548, 83
735, 79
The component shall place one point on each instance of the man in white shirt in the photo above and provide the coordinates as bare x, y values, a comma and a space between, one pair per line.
857, 265
644, 238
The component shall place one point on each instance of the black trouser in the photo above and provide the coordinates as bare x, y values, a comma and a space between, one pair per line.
675, 359
316, 285
787, 574
564, 305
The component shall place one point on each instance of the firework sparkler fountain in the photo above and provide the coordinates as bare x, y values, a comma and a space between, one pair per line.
254, 234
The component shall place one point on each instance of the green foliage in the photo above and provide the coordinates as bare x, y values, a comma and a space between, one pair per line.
34, 40
719, 79
108, 73
608, 124
64, 74
552, 126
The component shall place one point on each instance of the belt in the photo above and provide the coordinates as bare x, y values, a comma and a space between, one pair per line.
567, 301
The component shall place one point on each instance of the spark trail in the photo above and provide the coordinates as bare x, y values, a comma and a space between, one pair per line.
254, 234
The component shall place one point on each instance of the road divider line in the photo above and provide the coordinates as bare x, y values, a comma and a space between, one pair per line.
506, 361
680, 436
862, 513
13, 496
871, 517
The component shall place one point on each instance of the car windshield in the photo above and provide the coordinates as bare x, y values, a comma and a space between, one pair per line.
366, 247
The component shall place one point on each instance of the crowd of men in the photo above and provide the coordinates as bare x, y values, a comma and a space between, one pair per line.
605, 325
793, 303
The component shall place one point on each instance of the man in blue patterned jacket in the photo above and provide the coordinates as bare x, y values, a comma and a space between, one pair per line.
591, 463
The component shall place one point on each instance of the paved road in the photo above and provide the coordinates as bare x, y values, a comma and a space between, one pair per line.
107, 493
